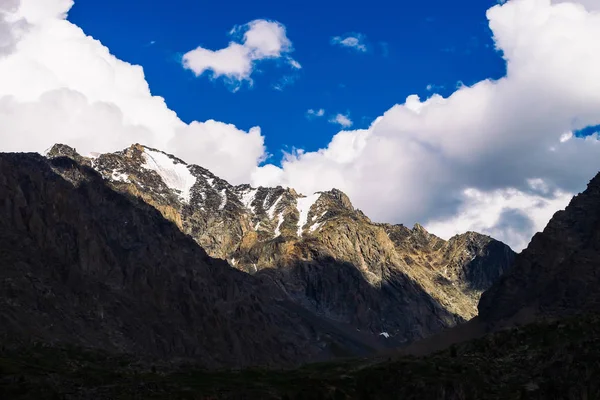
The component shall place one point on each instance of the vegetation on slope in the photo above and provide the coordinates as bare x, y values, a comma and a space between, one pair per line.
550, 360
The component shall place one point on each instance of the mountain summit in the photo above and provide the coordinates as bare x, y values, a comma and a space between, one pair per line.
329, 258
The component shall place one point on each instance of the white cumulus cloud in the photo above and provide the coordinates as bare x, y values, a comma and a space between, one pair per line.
11, 26
260, 40
591, 5
342, 120
59, 85
478, 158
355, 41
311, 113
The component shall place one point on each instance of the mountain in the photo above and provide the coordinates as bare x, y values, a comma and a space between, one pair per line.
558, 274
326, 256
83, 265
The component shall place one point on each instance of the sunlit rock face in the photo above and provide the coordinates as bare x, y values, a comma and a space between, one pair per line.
83, 265
397, 283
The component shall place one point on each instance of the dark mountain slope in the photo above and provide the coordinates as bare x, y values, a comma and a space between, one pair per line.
559, 272
83, 265
559, 360
556, 276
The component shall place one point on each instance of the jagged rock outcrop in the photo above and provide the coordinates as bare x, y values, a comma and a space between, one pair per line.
324, 254
559, 272
81, 264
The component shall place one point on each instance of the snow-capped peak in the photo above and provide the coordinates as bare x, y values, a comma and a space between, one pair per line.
174, 174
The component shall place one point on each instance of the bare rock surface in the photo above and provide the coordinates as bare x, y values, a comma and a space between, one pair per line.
387, 280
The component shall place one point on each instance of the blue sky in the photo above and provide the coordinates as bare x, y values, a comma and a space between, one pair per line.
409, 47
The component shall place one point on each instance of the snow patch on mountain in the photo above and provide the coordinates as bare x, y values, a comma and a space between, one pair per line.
318, 224
304, 204
266, 200
118, 176
271, 210
247, 198
223, 199
175, 175
315, 227
321, 216
279, 222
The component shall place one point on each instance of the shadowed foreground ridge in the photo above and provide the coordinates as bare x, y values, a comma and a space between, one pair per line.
559, 360
86, 266
558, 274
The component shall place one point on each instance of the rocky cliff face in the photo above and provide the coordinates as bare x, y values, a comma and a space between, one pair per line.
322, 253
559, 272
82, 264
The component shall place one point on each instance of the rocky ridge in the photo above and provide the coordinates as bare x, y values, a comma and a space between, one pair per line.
554, 278
325, 255
84, 265
558, 274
